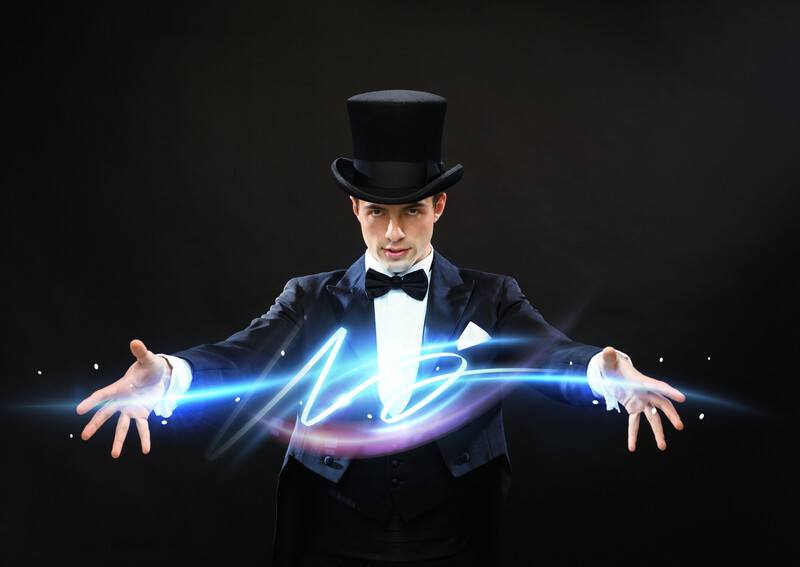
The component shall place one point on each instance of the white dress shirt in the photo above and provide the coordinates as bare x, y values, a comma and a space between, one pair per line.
399, 322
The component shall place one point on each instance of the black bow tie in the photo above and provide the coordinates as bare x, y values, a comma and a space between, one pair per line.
414, 284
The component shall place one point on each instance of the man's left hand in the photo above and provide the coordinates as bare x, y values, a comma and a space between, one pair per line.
640, 394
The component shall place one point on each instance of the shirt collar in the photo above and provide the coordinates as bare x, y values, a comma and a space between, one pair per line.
375, 264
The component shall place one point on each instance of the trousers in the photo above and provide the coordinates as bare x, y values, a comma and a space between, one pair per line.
465, 558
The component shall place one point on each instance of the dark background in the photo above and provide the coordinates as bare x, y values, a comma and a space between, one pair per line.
633, 165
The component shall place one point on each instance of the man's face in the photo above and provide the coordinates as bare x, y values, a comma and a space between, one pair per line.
406, 228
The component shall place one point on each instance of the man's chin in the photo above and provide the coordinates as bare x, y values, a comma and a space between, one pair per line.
397, 266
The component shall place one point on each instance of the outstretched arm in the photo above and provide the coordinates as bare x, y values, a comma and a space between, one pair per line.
154, 382
540, 345
246, 352
610, 373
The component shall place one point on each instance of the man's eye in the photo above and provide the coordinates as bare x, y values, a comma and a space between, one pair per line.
415, 210
375, 211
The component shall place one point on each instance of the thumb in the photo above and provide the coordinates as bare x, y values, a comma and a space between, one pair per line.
139, 350
609, 357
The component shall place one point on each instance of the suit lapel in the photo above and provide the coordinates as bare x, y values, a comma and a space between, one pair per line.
355, 312
447, 298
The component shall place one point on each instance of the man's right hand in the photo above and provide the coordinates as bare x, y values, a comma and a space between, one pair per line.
134, 396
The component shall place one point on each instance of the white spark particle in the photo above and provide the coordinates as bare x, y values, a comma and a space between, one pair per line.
702, 415
38, 372
661, 359
570, 363
653, 410
96, 366
70, 435
594, 402
437, 368
283, 353
163, 422
301, 402
369, 416
709, 358
237, 398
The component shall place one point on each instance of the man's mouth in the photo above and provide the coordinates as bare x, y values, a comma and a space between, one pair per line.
395, 252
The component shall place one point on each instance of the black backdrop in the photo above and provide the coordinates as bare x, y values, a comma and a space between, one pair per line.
631, 164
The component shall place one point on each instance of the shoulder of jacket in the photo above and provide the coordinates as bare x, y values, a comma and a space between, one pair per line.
311, 283
479, 276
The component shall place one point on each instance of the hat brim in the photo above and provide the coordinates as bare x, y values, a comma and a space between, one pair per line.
344, 173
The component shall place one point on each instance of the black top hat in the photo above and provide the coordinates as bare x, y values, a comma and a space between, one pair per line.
397, 139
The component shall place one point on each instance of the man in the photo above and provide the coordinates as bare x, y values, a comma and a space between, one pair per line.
430, 503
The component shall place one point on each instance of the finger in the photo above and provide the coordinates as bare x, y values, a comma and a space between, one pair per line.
98, 420
633, 430
669, 410
655, 423
99, 396
609, 357
122, 430
144, 433
666, 390
142, 354
653, 384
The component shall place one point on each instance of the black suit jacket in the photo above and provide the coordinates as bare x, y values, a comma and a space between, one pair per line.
310, 308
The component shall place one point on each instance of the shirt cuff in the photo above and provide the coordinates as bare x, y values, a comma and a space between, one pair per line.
179, 382
596, 379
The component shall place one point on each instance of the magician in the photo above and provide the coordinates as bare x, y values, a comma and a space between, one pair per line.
429, 504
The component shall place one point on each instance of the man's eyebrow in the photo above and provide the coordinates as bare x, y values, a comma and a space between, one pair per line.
418, 204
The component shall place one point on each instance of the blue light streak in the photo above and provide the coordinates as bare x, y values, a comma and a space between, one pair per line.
423, 418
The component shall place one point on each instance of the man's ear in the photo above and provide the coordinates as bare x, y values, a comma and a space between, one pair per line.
355, 205
439, 208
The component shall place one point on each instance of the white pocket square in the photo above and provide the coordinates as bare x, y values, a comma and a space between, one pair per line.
471, 336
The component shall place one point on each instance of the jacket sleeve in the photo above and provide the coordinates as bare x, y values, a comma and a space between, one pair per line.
541, 345
248, 352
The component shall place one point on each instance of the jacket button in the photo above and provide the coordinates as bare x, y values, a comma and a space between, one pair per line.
328, 460
463, 458
395, 463
395, 481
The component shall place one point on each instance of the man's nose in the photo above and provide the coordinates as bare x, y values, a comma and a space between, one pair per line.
394, 231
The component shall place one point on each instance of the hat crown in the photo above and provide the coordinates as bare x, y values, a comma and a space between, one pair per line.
397, 125
397, 141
